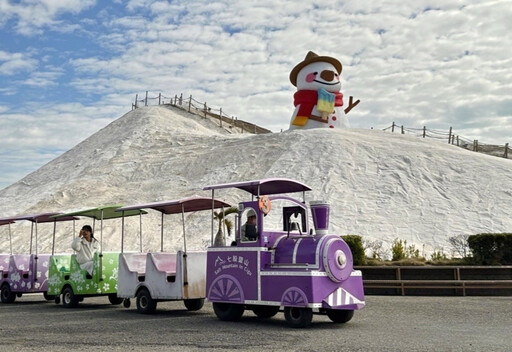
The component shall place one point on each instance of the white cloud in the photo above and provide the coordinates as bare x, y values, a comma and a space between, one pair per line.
13, 63
44, 78
32, 16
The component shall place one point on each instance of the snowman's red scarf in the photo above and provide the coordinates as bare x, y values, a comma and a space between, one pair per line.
309, 98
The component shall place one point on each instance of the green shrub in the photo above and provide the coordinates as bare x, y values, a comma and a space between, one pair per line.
356, 247
438, 256
397, 250
411, 251
491, 248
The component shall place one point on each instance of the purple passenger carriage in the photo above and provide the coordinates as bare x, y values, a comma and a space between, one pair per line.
25, 273
278, 261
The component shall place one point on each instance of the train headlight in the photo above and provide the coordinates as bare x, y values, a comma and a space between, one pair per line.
337, 259
341, 259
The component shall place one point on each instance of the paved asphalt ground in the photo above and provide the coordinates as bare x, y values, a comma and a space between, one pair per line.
386, 324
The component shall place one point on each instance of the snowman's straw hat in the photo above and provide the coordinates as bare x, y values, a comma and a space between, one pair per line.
312, 57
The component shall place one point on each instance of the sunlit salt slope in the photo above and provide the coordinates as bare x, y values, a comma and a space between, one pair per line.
380, 185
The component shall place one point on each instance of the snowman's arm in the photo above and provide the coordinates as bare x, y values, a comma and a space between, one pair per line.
351, 104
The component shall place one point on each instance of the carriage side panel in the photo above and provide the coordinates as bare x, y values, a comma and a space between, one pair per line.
59, 269
164, 275
195, 286
4, 267
132, 269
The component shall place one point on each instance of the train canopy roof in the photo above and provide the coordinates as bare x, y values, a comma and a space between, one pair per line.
180, 205
5, 222
265, 186
39, 218
104, 212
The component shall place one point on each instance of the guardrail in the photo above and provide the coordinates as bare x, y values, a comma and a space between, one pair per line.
201, 109
460, 141
437, 280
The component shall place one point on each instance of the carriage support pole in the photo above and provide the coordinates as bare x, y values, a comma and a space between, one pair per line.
10, 238
213, 207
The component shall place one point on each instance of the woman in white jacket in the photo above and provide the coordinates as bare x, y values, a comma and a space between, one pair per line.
85, 246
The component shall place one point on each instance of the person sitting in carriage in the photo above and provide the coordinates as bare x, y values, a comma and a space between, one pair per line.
85, 246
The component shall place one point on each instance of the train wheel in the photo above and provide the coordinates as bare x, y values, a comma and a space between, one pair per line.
69, 299
145, 304
7, 295
226, 289
194, 304
228, 311
48, 297
340, 316
298, 317
265, 311
113, 299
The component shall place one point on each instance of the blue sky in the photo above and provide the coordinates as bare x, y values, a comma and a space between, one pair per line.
69, 67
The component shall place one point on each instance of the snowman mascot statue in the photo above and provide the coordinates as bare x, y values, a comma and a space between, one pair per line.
318, 100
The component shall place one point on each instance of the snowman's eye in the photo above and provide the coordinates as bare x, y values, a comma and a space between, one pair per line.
315, 73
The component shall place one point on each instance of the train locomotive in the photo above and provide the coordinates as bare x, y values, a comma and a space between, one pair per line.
278, 261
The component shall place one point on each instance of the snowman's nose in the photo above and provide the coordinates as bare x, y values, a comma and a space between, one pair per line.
327, 75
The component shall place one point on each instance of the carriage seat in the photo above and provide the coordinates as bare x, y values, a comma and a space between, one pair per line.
166, 262
22, 264
136, 263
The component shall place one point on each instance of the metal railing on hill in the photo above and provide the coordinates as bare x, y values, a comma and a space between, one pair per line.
201, 109
503, 151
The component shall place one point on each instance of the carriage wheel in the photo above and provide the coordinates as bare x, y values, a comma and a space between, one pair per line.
298, 317
7, 295
145, 304
69, 299
194, 304
340, 316
113, 299
228, 311
265, 311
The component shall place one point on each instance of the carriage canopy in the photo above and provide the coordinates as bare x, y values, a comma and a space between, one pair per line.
265, 186
177, 206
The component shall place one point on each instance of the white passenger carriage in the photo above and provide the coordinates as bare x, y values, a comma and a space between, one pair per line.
165, 276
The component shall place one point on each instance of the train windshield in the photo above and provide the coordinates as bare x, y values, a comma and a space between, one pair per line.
287, 215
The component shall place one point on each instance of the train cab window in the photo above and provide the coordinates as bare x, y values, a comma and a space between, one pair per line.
285, 215
294, 219
249, 230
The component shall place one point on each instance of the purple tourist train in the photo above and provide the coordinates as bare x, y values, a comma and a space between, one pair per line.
277, 261
282, 257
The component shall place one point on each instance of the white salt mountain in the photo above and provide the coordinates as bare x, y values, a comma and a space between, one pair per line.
381, 186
